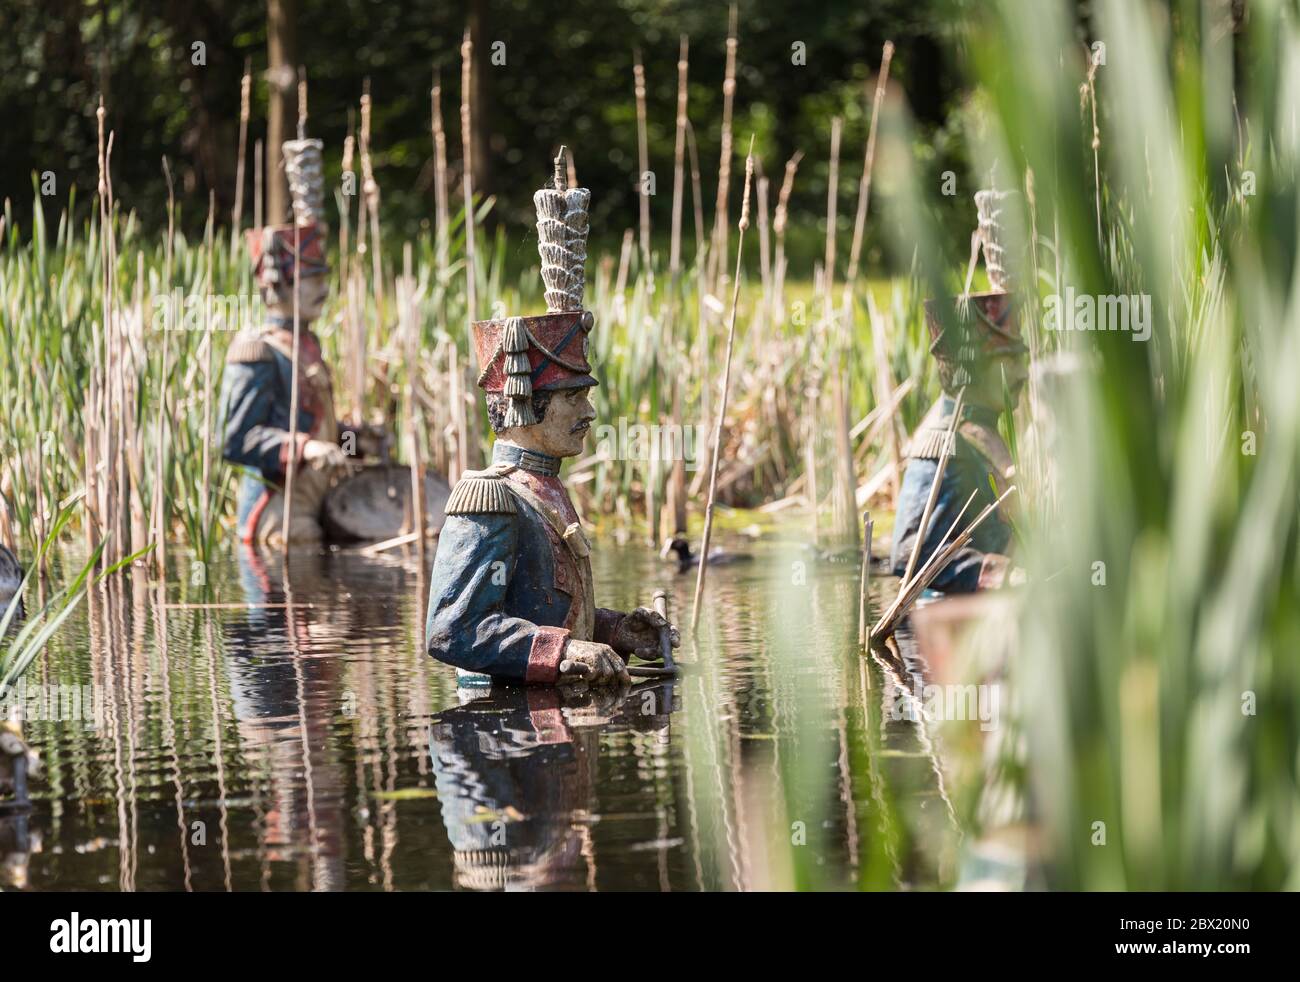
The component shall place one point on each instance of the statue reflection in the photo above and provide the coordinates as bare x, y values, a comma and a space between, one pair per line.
17, 844
515, 770
285, 668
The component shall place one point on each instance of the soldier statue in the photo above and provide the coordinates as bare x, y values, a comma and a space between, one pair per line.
257, 389
976, 343
511, 597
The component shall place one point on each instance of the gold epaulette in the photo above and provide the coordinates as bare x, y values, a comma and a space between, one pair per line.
929, 443
482, 493
248, 347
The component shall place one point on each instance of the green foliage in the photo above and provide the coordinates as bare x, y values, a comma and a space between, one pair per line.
1162, 703
567, 78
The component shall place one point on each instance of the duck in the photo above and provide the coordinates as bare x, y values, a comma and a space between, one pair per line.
686, 559
11, 580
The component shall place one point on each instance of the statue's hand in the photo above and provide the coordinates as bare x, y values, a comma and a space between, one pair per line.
320, 455
638, 634
593, 663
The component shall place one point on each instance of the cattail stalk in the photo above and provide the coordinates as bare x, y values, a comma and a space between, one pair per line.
407, 302
720, 230
726, 383
467, 184
643, 162
370, 190
205, 494
458, 451
832, 200
701, 274
440, 204
864, 584
676, 488
679, 160
885, 387
102, 390
864, 185
761, 188
620, 281
353, 322
134, 431
245, 98
302, 102
257, 183
779, 220
159, 508
467, 178
843, 504
292, 468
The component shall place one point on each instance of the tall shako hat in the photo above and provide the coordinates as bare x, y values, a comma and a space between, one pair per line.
272, 248
518, 356
969, 330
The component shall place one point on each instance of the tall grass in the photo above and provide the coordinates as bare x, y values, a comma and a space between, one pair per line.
653, 335
1152, 706
1156, 671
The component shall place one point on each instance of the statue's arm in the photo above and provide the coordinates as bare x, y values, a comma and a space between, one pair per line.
248, 401
467, 625
962, 574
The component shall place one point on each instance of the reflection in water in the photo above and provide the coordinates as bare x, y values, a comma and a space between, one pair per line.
283, 730
17, 843
285, 683
516, 775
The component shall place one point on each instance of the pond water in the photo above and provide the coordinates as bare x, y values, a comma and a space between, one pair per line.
291, 734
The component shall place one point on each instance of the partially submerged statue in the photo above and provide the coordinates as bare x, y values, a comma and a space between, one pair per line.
976, 343
257, 395
511, 597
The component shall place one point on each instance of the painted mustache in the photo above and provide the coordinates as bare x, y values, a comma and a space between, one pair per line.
580, 425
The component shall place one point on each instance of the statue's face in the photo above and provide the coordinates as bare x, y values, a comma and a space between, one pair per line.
311, 299
565, 426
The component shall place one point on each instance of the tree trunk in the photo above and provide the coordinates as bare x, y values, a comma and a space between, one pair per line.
480, 98
281, 77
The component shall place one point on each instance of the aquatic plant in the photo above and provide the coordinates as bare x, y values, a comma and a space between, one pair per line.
21, 640
1156, 671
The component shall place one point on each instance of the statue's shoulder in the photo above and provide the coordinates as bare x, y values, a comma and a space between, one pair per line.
988, 443
930, 441
484, 492
247, 348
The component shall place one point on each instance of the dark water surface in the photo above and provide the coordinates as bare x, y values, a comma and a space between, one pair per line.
308, 743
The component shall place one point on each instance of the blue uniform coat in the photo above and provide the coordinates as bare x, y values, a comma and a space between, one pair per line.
506, 592
969, 469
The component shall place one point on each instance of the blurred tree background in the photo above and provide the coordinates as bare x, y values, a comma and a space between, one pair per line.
567, 78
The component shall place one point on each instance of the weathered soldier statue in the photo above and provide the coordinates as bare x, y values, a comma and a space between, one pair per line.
976, 343
511, 597
257, 390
